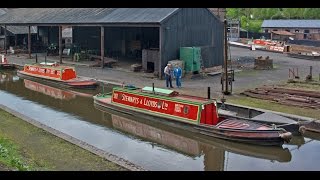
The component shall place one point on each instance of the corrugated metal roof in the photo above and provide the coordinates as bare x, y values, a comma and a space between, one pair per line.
285, 33
138, 15
291, 24
21, 29
85, 15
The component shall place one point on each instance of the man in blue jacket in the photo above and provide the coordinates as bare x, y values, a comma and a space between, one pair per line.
177, 75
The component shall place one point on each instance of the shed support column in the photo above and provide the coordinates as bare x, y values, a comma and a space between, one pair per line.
5, 38
15, 40
160, 57
102, 46
29, 42
60, 44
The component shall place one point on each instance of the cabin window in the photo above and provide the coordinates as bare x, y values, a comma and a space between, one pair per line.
288, 30
275, 30
55, 72
266, 31
297, 30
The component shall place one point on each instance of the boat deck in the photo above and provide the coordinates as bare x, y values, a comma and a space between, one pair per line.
192, 98
241, 124
106, 100
180, 96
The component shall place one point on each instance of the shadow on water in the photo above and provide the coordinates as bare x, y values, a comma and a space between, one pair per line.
162, 146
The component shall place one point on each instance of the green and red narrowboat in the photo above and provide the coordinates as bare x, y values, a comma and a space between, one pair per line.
56, 74
189, 112
4, 63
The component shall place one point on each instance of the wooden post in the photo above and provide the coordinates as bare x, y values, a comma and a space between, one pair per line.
60, 44
226, 91
29, 42
102, 46
5, 38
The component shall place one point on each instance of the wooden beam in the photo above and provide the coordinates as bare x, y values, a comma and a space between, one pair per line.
102, 46
60, 44
5, 38
29, 42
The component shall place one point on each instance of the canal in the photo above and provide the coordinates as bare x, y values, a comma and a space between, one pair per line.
148, 144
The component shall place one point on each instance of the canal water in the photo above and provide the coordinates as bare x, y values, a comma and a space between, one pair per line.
148, 144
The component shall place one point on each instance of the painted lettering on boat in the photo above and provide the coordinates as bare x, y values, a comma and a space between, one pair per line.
157, 105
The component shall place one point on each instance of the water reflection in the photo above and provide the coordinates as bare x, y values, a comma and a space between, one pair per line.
47, 90
8, 76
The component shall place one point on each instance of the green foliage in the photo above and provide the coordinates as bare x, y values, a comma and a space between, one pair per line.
255, 16
9, 155
255, 25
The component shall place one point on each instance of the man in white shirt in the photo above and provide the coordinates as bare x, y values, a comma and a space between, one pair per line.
168, 72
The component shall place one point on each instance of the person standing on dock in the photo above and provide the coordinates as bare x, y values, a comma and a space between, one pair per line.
168, 72
177, 75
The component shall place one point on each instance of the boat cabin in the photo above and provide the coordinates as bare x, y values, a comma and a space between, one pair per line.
190, 109
51, 71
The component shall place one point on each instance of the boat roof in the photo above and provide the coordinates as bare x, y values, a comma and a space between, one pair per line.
51, 65
160, 91
48, 63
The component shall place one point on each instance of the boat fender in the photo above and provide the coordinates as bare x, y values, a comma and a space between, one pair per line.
286, 136
302, 129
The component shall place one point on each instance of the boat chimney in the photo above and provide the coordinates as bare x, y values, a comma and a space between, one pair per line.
153, 88
209, 93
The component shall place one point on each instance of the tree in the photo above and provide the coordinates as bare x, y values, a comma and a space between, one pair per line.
232, 13
311, 13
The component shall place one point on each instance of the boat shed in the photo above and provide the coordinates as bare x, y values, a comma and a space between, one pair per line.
154, 35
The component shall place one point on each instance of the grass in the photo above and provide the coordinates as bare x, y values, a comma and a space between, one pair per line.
269, 105
10, 157
26, 147
303, 86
